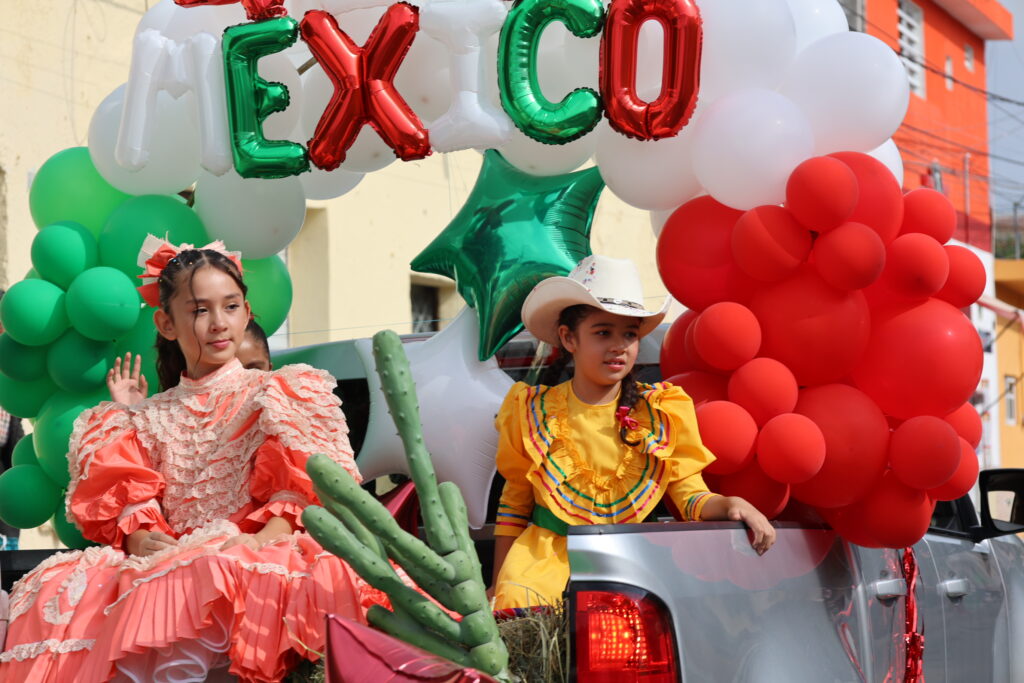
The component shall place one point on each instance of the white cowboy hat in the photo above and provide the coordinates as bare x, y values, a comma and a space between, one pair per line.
606, 283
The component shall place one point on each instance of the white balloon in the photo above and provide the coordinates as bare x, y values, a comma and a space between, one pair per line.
649, 174
319, 184
746, 45
889, 154
853, 89
173, 152
255, 216
746, 145
815, 19
536, 158
459, 397
278, 68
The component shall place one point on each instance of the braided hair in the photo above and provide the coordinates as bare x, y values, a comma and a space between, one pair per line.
629, 392
181, 270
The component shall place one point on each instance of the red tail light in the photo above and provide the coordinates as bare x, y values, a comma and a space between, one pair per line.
623, 637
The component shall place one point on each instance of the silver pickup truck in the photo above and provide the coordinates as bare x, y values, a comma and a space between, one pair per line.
692, 602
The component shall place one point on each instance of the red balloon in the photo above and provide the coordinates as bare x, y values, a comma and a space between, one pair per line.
929, 212
701, 386
693, 357
791, 448
966, 281
754, 486
255, 10
850, 257
921, 360
880, 203
726, 335
967, 423
818, 331
822, 193
695, 255
849, 524
683, 33
963, 480
924, 452
856, 443
729, 433
916, 266
764, 387
768, 243
895, 515
363, 89
672, 356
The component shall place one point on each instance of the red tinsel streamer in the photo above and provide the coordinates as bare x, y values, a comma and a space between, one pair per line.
914, 639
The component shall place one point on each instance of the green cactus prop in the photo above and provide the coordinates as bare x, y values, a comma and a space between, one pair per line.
356, 527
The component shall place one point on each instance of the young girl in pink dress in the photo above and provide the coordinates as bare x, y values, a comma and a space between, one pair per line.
195, 495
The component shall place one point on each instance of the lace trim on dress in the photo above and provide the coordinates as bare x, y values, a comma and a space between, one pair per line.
74, 585
289, 497
130, 510
94, 429
26, 590
32, 650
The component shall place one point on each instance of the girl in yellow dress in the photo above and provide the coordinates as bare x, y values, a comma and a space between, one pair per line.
600, 448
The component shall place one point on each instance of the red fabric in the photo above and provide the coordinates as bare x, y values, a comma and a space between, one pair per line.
360, 654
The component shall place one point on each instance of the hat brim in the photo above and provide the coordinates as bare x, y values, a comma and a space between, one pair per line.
548, 299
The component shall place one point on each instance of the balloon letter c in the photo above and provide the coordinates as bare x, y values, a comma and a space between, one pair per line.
680, 80
521, 96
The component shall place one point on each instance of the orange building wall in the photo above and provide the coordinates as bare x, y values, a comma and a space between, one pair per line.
956, 119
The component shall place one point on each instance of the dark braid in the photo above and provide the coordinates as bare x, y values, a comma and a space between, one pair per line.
170, 361
629, 393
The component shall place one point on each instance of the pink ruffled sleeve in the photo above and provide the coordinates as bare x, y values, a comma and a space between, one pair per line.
301, 416
114, 490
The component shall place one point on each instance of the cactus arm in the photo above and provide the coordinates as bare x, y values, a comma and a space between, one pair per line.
353, 524
402, 627
400, 393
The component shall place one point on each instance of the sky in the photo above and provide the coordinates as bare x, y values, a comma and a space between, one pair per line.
1005, 62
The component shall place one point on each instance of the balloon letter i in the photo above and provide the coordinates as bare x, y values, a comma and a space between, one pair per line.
251, 100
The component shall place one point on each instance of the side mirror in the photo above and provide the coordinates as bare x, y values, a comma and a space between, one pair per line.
1002, 502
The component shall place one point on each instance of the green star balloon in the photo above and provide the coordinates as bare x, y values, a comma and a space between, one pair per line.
514, 231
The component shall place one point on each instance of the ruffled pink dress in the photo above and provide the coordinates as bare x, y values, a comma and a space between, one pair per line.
202, 462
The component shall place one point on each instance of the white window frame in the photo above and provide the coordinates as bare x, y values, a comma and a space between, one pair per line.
1010, 398
949, 73
910, 23
969, 58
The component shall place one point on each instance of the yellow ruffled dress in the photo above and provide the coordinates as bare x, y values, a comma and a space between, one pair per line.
564, 463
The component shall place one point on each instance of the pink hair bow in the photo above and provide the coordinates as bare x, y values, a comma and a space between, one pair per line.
627, 422
156, 253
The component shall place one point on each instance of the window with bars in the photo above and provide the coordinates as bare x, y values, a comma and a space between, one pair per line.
911, 37
426, 308
854, 10
969, 58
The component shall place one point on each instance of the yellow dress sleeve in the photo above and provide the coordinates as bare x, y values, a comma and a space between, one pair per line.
516, 504
686, 488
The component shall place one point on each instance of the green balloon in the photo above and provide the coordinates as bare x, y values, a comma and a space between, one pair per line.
27, 497
270, 291
141, 341
33, 312
24, 452
78, 364
68, 533
514, 231
32, 274
151, 214
53, 431
518, 83
251, 99
21, 362
25, 399
63, 250
69, 188
103, 304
